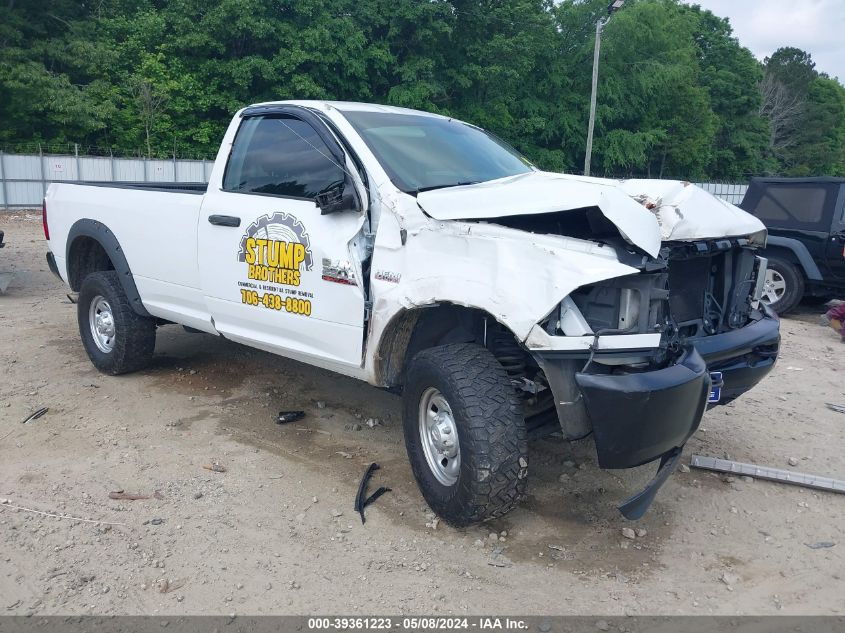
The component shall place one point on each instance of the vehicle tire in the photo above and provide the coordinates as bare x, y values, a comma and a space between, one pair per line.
461, 391
116, 338
784, 287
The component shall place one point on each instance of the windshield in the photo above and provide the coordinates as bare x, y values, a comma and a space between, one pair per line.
423, 152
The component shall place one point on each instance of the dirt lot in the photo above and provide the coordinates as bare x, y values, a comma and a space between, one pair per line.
276, 532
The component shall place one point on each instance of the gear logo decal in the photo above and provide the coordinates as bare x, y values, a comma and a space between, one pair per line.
275, 247
277, 250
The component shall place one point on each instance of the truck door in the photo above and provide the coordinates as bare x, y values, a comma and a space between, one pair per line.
276, 272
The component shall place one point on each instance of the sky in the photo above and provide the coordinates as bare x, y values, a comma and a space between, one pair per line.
763, 26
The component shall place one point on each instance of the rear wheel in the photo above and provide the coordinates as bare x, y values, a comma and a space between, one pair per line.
465, 433
784, 285
116, 338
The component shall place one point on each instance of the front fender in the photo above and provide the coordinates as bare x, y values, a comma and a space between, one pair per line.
516, 277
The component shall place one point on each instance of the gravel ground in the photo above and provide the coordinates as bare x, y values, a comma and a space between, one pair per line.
276, 533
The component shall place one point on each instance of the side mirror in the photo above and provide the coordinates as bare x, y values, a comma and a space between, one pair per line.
338, 198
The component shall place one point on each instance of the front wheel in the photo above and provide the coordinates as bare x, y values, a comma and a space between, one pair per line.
116, 338
784, 285
465, 433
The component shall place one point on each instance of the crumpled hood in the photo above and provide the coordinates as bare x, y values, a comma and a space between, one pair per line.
678, 210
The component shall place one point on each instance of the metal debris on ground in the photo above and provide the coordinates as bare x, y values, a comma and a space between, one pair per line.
767, 473
35, 415
820, 545
290, 416
360, 501
215, 466
7, 503
839, 408
299, 428
129, 496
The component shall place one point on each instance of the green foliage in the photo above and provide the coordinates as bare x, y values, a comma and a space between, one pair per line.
810, 110
678, 95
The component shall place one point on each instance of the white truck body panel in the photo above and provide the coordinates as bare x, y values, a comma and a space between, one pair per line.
157, 232
193, 273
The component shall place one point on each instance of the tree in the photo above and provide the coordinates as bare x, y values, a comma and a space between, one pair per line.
655, 116
782, 108
806, 115
678, 94
730, 73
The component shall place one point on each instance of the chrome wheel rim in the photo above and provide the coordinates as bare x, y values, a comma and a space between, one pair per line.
774, 287
439, 437
101, 321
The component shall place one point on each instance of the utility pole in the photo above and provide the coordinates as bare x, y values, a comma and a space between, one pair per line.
614, 6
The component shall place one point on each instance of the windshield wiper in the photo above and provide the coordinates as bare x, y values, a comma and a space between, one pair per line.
433, 187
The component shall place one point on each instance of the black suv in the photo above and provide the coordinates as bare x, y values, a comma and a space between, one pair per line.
806, 247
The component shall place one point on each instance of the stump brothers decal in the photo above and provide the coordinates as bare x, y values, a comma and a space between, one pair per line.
276, 250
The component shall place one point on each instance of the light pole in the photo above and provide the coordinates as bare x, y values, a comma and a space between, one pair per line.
614, 6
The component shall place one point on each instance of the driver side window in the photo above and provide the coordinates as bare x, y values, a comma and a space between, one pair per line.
280, 156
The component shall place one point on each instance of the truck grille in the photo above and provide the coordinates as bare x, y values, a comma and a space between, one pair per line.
711, 286
689, 281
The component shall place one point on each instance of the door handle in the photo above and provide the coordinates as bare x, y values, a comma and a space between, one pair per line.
224, 220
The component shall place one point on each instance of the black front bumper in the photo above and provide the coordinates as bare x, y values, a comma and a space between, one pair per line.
638, 417
745, 355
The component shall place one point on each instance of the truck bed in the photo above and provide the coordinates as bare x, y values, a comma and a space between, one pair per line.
197, 188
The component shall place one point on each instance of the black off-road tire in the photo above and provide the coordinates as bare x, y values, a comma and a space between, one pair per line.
794, 279
491, 431
135, 336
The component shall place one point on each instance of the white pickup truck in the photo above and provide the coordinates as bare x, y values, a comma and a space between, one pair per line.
425, 256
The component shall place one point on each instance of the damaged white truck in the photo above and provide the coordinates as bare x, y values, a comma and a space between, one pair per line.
423, 255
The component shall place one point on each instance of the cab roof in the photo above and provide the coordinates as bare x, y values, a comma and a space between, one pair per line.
349, 106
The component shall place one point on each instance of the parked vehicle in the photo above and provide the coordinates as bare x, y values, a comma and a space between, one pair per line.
425, 256
806, 247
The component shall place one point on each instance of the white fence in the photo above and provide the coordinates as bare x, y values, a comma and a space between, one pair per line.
24, 178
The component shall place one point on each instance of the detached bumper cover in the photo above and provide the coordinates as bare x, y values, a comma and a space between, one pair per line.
639, 417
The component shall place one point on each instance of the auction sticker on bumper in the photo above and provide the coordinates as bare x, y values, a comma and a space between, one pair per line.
716, 383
